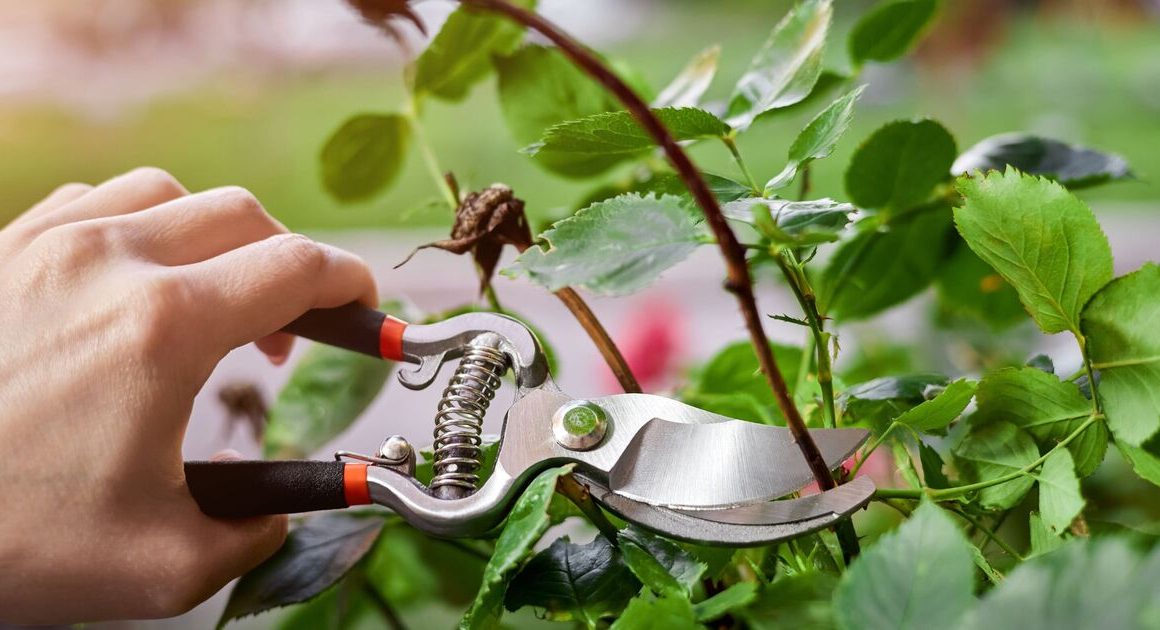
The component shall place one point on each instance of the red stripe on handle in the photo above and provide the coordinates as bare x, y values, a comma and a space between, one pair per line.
354, 484
391, 338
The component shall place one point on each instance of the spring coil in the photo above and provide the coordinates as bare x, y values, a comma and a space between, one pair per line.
459, 418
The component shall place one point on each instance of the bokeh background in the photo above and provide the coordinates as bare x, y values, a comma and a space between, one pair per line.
245, 92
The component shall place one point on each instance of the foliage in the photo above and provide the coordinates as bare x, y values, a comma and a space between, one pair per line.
997, 231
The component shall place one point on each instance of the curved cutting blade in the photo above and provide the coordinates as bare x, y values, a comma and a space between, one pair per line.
749, 525
721, 464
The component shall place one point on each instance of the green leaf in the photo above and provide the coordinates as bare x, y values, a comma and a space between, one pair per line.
731, 382
818, 139
876, 270
792, 223
593, 144
661, 565
1071, 165
409, 567
687, 88
918, 575
881, 400
539, 87
736, 596
932, 467
968, 286
648, 611
933, 416
525, 524
460, 54
1089, 583
1059, 498
1124, 345
723, 188
1041, 239
992, 450
801, 600
1047, 408
1145, 460
329, 389
574, 582
889, 30
315, 556
1043, 540
364, 156
612, 247
786, 68
899, 164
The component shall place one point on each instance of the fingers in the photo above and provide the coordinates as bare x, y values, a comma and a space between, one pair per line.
197, 227
56, 199
248, 293
276, 347
132, 192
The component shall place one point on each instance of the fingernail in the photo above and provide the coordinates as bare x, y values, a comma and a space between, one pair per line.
278, 359
226, 455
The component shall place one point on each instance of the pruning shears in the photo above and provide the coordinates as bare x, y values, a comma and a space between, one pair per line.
665, 465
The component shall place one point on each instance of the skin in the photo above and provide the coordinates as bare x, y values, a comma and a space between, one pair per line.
116, 303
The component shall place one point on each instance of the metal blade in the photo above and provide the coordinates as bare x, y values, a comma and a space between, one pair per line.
741, 526
721, 464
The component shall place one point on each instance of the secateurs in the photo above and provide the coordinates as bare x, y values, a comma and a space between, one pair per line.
684, 472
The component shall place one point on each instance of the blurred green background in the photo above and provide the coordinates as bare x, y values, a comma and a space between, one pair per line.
1087, 72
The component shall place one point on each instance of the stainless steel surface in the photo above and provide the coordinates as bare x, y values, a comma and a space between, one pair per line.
395, 448
459, 419
841, 500
579, 425
826, 509
430, 345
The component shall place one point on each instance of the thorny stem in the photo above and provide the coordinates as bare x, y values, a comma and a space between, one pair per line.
739, 282
804, 191
943, 494
807, 299
731, 144
591, 325
578, 494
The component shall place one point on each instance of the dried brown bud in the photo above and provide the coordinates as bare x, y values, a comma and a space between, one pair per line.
382, 14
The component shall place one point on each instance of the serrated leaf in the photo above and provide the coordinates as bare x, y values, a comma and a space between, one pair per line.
801, 600
918, 574
1119, 324
1089, 583
881, 400
596, 143
315, 556
792, 223
525, 524
725, 602
648, 611
731, 382
1041, 239
1043, 540
968, 286
876, 270
1145, 459
328, 390
1071, 165
786, 68
723, 188
364, 156
687, 88
935, 414
460, 54
818, 139
899, 164
1047, 408
574, 582
612, 247
661, 565
1059, 498
539, 87
890, 30
991, 451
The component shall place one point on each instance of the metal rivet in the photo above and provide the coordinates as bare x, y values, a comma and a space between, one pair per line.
396, 449
579, 425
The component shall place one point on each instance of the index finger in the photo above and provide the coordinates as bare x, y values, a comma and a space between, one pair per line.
257, 289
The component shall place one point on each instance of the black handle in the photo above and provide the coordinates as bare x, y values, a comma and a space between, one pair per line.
353, 326
234, 489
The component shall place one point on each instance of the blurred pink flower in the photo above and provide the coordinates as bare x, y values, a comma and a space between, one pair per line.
652, 342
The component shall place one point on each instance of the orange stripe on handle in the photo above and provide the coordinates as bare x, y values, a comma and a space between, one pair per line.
354, 484
391, 338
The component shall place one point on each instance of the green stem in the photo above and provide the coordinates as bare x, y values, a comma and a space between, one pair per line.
870, 450
990, 534
1097, 406
804, 293
733, 150
944, 494
429, 159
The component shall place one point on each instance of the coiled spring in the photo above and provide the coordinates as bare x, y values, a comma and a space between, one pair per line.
459, 419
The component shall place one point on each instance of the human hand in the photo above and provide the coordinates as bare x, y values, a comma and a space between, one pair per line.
116, 303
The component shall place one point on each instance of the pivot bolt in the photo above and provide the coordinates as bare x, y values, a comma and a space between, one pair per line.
579, 425
396, 449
